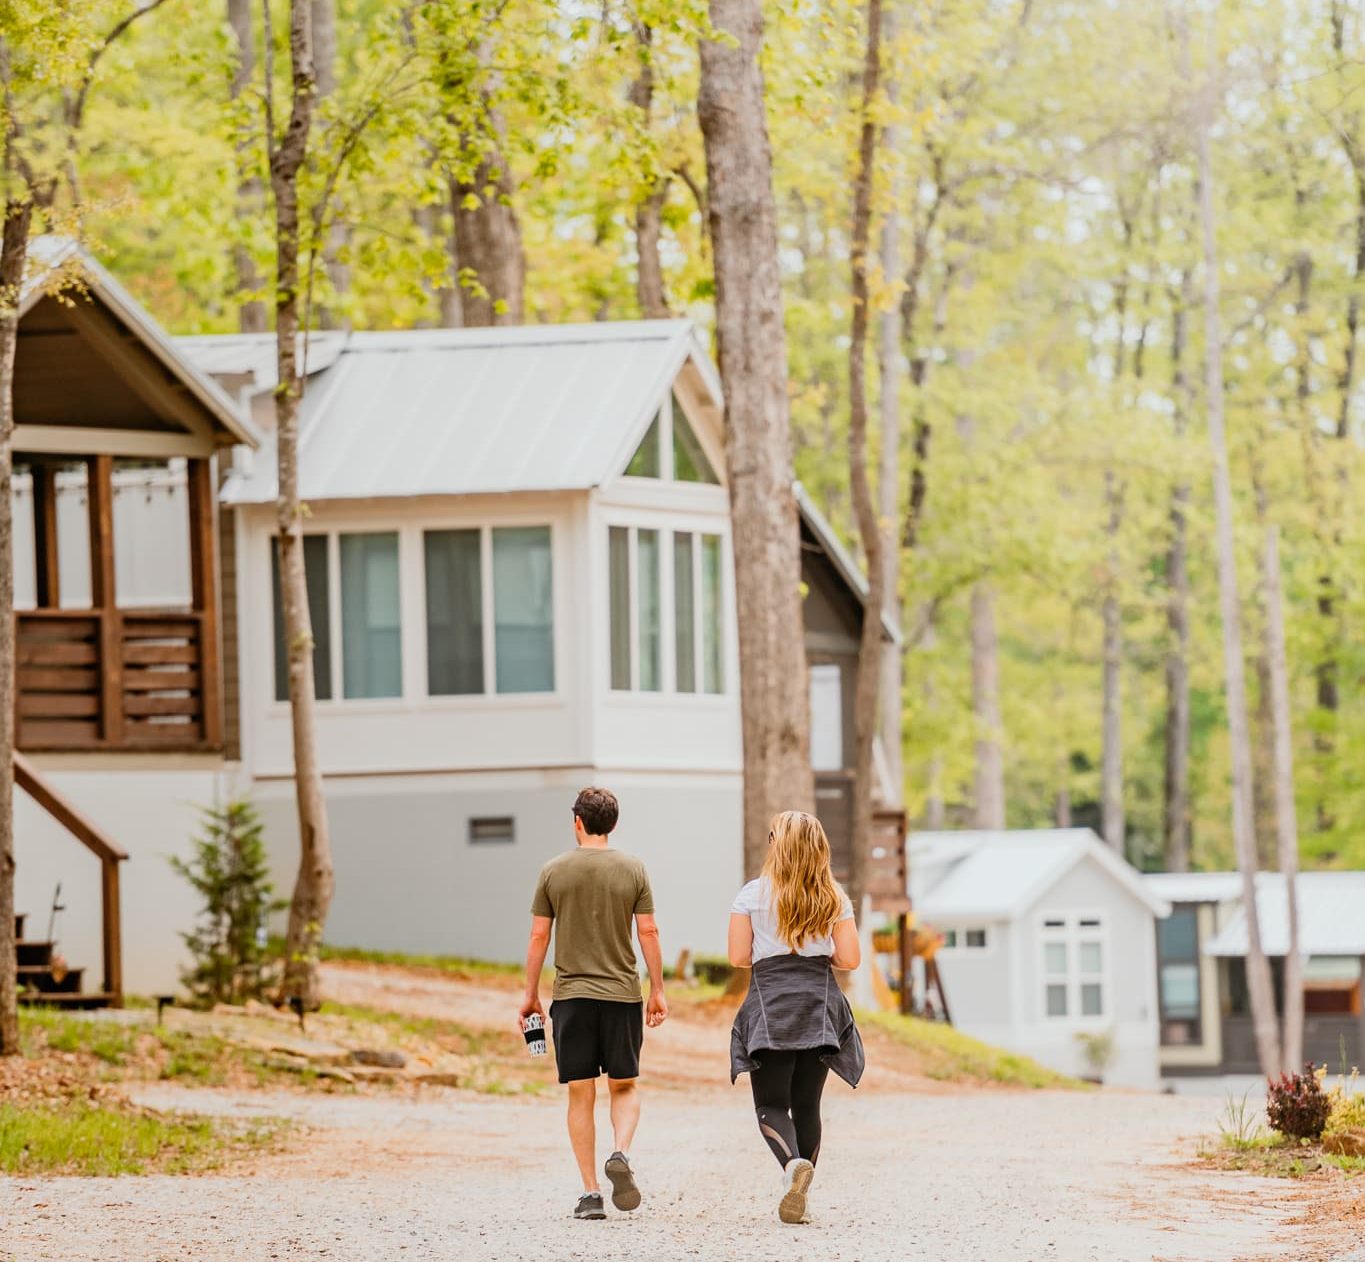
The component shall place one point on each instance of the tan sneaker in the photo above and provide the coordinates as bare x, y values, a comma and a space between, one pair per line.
796, 1180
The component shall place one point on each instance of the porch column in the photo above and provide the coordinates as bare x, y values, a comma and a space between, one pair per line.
204, 584
100, 490
45, 565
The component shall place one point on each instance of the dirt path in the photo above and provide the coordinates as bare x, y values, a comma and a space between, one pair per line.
936, 1174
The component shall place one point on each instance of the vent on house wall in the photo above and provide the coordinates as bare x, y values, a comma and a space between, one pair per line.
493, 828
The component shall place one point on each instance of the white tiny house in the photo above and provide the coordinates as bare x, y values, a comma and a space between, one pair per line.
1048, 937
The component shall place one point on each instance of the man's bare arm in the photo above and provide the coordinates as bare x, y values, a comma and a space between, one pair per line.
647, 930
536, 950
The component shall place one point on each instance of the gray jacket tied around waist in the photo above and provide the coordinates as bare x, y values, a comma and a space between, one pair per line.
793, 1003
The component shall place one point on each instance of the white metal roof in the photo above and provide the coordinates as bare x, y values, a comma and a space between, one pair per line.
54, 258
996, 875
1331, 916
471, 411
1195, 887
254, 355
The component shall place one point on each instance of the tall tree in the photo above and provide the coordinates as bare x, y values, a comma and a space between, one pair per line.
1286, 821
1176, 780
488, 233
872, 525
1244, 840
251, 312
988, 799
742, 216
649, 269
288, 150
324, 19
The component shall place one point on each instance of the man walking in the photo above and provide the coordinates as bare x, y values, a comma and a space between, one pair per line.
589, 895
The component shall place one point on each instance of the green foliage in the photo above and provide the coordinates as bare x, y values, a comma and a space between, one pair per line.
102, 1142
1347, 1101
454, 964
1296, 1105
231, 875
947, 1054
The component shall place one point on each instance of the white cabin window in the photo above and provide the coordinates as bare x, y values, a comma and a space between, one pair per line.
1073, 966
671, 450
318, 581
641, 637
689, 459
454, 576
371, 652
826, 716
971, 939
523, 609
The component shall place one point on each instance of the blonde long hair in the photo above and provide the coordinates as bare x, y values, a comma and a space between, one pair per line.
806, 898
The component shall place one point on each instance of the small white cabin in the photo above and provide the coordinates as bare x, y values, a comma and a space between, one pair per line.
1048, 936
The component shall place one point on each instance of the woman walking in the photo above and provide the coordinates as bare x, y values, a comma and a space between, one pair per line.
794, 926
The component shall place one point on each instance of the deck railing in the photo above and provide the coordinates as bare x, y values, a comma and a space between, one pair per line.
115, 679
110, 856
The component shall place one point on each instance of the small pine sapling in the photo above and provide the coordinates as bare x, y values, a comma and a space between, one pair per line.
230, 873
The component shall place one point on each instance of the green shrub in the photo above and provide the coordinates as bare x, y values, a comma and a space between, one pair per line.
1347, 1101
1296, 1104
232, 961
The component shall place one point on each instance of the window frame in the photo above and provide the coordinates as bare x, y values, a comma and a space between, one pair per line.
958, 945
412, 615
1196, 961
661, 421
667, 530
1071, 932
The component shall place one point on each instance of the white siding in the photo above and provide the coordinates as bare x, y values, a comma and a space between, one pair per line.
409, 879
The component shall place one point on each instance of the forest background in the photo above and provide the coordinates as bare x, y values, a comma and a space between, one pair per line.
1037, 287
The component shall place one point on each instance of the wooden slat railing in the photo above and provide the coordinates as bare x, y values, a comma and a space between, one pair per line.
110, 856
111, 679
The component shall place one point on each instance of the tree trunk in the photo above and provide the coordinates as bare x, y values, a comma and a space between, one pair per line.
649, 270
989, 797
251, 312
888, 377
488, 244
1258, 969
1111, 772
774, 693
324, 20
13, 253
1176, 813
313, 888
870, 529
1286, 820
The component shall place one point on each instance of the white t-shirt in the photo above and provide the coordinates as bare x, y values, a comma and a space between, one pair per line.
755, 901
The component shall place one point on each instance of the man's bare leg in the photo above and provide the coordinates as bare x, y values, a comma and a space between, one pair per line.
583, 1131
625, 1111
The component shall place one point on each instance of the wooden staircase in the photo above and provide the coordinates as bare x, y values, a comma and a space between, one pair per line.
45, 983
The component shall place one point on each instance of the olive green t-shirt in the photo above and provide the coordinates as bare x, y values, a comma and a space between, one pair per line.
592, 895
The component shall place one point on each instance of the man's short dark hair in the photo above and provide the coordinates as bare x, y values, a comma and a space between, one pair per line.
598, 809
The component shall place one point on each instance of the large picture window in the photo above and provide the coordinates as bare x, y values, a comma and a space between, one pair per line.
523, 605
454, 581
371, 651
643, 635
318, 580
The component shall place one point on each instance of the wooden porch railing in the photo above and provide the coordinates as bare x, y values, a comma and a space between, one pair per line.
110, 856
111, 679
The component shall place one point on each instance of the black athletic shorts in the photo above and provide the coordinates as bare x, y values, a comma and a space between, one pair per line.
596, 1036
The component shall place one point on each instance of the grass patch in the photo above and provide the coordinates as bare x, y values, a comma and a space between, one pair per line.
103, 1141
947, 1054
455, 965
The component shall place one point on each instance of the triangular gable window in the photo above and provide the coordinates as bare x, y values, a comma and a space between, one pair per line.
689, 460
645, 462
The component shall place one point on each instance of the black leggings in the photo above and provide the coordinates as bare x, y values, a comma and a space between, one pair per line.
787, 1087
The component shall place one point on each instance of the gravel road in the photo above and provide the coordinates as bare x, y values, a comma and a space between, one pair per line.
970, 1176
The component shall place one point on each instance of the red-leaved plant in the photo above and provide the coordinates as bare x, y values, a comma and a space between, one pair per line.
1296, 1104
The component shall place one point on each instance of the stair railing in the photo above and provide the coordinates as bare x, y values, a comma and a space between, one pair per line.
110, 856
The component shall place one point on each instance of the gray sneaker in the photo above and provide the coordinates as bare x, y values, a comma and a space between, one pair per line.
590, 1206
624, 1193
